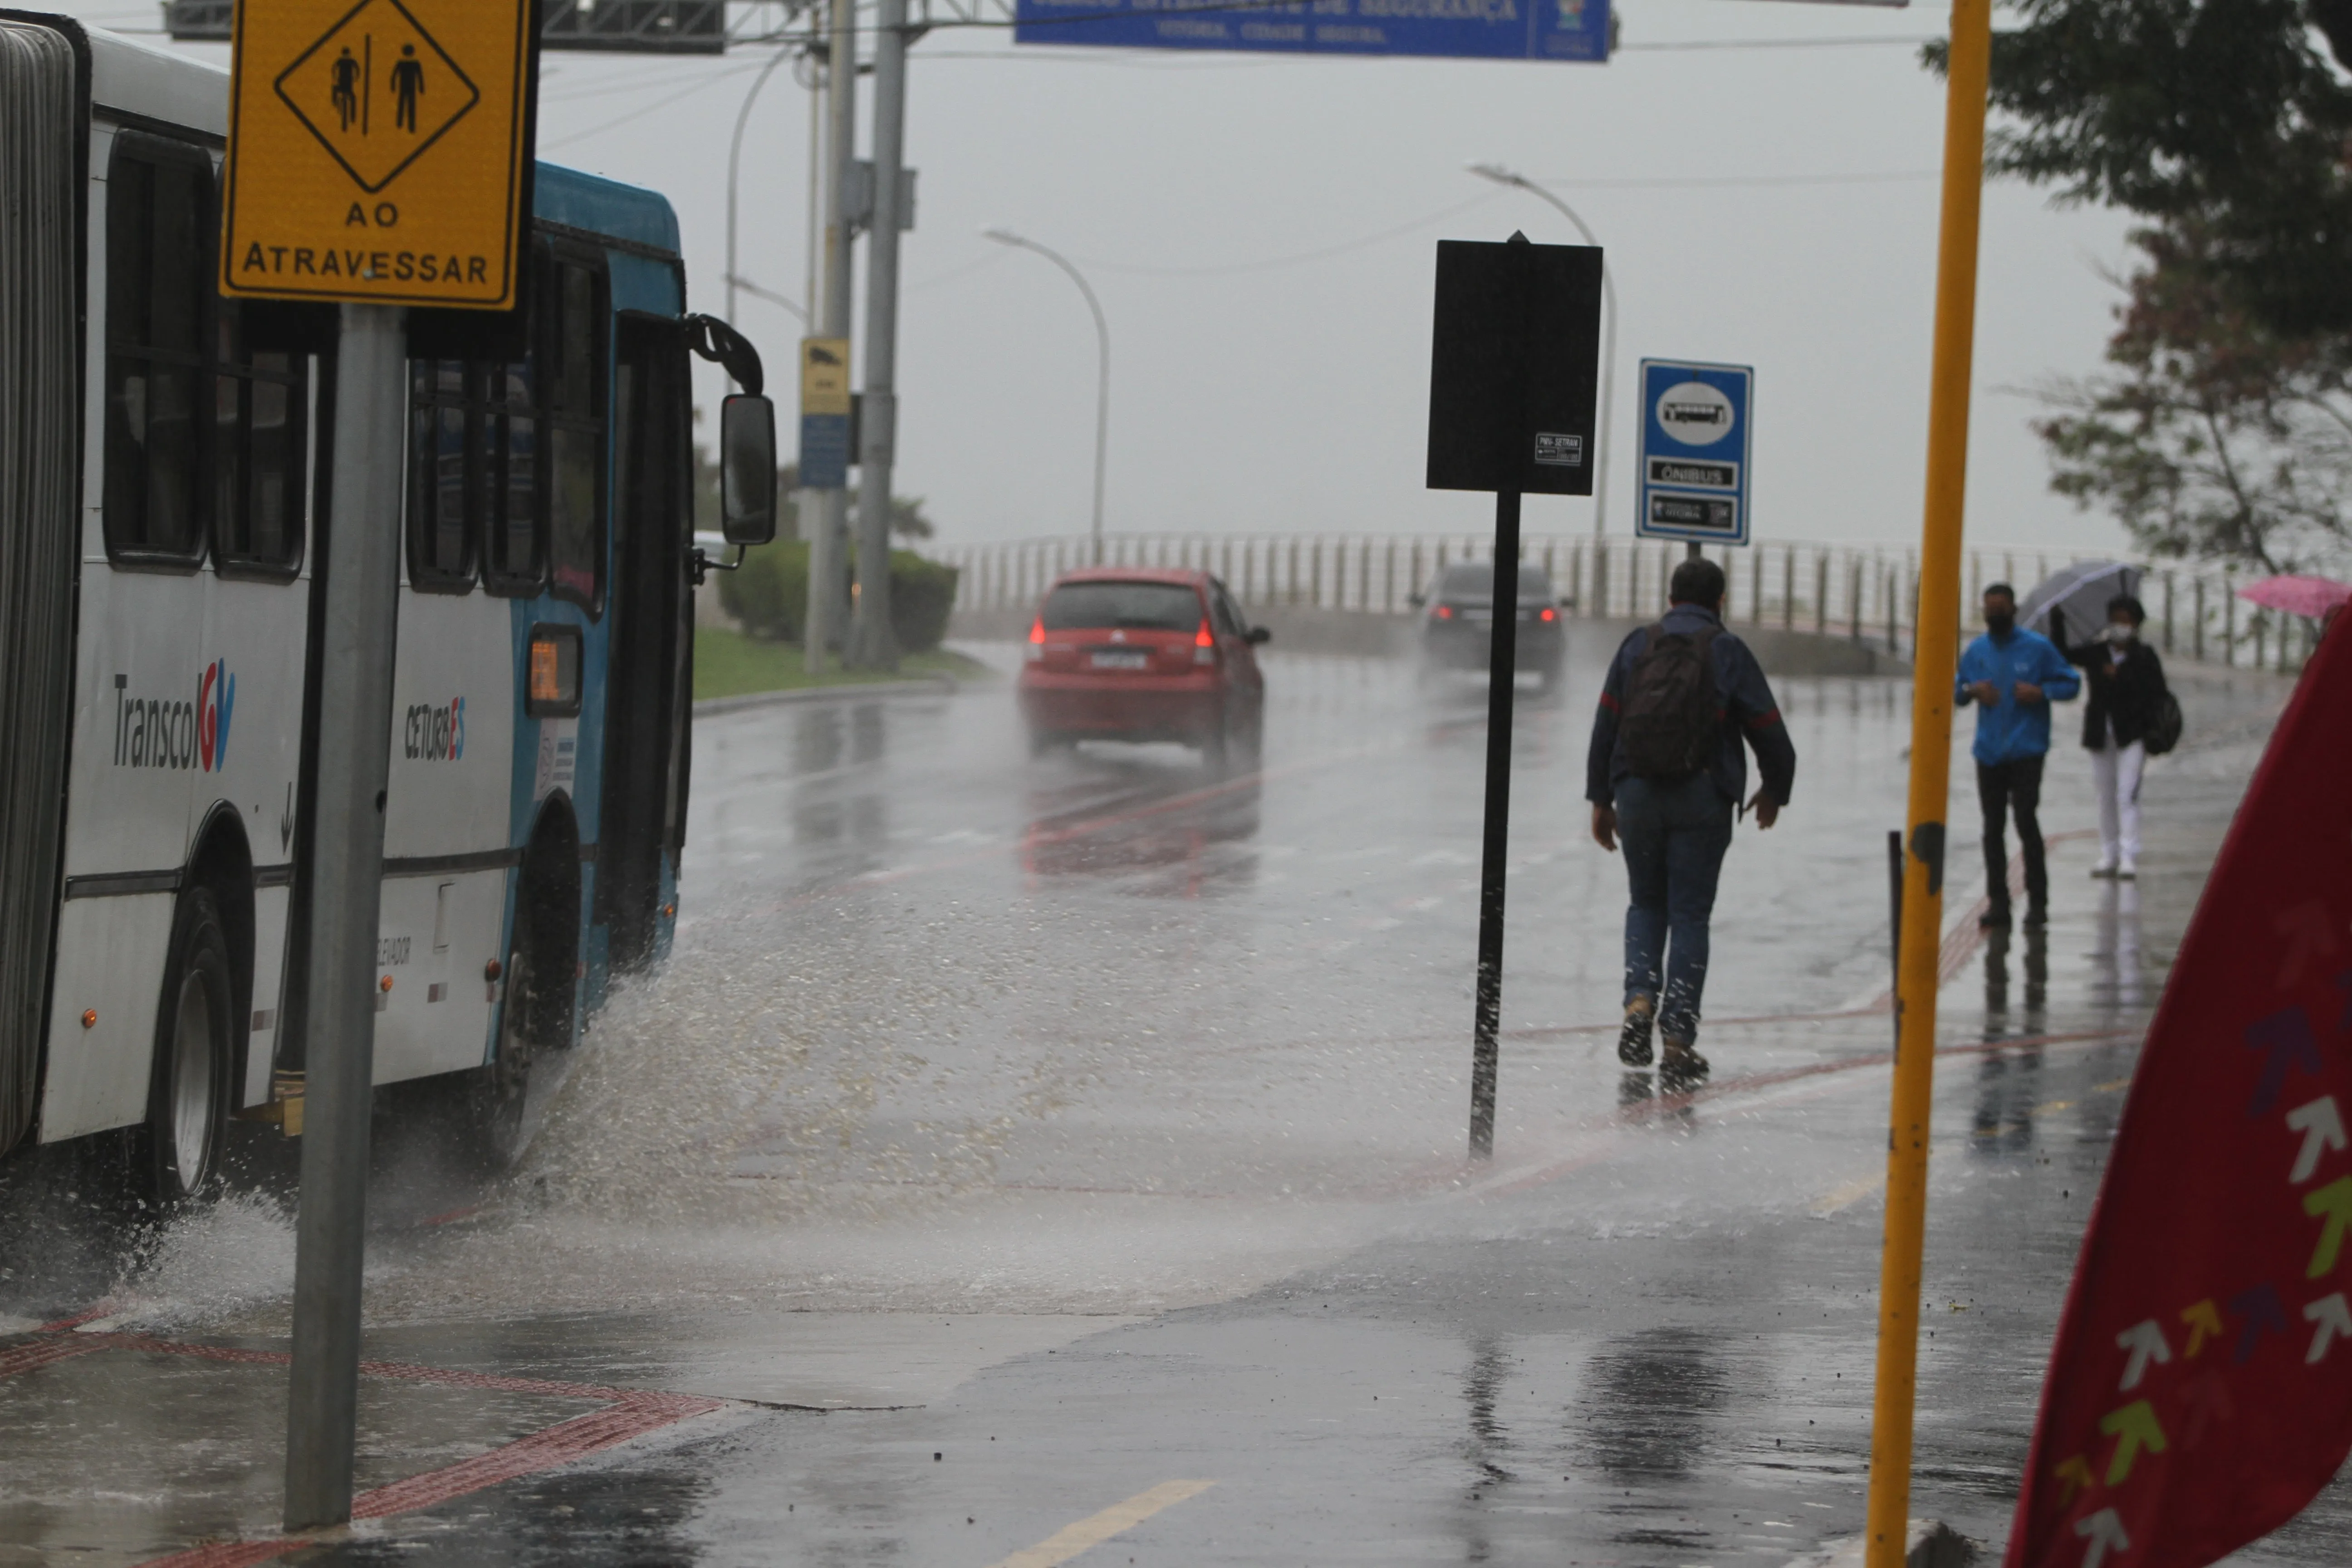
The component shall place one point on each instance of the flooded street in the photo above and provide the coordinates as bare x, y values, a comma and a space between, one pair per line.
1040, 1133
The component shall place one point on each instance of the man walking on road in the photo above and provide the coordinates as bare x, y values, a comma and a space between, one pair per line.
2012, 675
1665, 772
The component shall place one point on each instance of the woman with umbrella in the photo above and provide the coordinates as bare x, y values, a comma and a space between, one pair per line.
2126, 700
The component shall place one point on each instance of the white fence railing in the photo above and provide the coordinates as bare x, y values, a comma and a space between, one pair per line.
1865, 593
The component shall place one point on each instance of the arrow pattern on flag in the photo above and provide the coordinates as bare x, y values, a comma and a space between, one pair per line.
2105, 1532
2133, 1427
2286, 1037
2334, 1317
2204, 1321
2322, 1126
2145, 1341
2332, 1205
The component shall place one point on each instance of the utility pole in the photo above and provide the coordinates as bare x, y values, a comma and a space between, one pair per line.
346, 894
828, 518
872, 644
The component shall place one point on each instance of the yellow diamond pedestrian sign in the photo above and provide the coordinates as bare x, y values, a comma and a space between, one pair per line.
377, 151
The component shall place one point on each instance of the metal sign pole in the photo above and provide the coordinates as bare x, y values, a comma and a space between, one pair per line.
827, 520
1502, 673
872, 645
363, 566
1938, 653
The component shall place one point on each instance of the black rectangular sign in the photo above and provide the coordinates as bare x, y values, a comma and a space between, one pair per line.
1513, 363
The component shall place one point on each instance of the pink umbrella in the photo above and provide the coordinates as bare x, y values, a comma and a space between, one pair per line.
2312, 596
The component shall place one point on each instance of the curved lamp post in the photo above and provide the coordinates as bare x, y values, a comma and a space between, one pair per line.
1503, 176
1102, 369
734, 160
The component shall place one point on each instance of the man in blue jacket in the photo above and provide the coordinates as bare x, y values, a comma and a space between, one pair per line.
2012, 675
1676, 822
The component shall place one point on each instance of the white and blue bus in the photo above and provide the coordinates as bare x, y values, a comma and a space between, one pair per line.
163, 462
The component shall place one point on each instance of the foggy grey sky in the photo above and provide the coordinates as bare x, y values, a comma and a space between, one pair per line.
1770, 206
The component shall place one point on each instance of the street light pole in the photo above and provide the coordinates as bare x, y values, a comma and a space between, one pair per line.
1503, 176
734, 159
1102, 366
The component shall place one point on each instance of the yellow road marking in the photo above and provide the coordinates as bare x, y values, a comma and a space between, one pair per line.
2053, 1107
1072, 1539
1847, 1195
2111, 1088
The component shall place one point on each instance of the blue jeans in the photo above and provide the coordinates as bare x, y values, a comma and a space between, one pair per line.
1673, 835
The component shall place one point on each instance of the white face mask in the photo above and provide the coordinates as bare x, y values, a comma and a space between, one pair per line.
2116, 632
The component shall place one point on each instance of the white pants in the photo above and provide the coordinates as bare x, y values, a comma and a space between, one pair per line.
2115, 775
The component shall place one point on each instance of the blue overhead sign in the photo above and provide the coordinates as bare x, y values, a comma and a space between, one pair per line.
1464, 30
1695, 425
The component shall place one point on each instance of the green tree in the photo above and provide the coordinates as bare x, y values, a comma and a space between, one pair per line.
2224, 115
2217, 436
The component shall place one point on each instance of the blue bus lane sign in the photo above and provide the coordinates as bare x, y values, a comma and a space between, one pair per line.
1457, 29
1697, 421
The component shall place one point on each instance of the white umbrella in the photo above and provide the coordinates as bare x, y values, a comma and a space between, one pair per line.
2077, 595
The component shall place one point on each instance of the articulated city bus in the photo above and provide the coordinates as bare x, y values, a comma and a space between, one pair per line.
163, 511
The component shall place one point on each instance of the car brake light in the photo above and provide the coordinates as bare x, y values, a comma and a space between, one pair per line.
1549, 614
1037, 649
1444, 612
1204, 645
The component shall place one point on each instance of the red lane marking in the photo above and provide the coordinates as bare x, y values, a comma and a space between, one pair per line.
77, 1320
41, 1353
636, 1417
450, 1216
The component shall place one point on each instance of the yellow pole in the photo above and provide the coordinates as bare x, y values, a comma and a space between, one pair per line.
1934, 655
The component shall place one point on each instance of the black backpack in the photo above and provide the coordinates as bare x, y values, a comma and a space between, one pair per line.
2164, 729
1673, 718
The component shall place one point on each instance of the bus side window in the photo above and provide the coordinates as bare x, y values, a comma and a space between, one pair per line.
159, 253
573, 372
447, 474
259, 452
514, 547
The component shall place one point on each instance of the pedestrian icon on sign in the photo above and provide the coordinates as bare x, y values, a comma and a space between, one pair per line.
346, 95
407, 86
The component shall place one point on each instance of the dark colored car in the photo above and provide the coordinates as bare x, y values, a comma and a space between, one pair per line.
1128, 653
1458, 620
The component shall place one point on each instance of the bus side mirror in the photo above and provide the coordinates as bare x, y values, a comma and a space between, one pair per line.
747, 469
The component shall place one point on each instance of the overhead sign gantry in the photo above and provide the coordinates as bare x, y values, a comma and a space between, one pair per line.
1460, 29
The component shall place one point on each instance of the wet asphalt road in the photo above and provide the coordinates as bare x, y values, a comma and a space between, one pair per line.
1053, 1132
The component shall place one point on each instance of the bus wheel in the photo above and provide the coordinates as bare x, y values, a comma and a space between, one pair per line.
188, 1097
501, 1091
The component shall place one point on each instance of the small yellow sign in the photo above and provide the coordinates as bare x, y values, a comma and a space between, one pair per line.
375, 152
824, 375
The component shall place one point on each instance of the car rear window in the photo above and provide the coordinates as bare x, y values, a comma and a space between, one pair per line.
1133, 606
1476, 579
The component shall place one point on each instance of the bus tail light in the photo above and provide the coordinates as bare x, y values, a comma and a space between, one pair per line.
552, 677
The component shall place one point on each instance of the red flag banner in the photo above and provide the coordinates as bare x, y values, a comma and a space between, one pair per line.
2200, 1391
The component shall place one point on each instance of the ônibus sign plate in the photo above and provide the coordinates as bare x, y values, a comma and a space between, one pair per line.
1460, 29
377, 152
1696, 425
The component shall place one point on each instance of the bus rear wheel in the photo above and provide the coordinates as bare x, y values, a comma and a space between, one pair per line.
499, 1094
179, 1149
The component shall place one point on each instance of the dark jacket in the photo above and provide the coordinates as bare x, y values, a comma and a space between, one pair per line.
1747, 710
2128, 694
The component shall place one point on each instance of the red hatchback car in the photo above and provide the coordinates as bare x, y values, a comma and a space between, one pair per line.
1122, 653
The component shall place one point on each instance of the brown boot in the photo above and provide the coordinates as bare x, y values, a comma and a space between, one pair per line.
1683, 1067
1633, 1039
